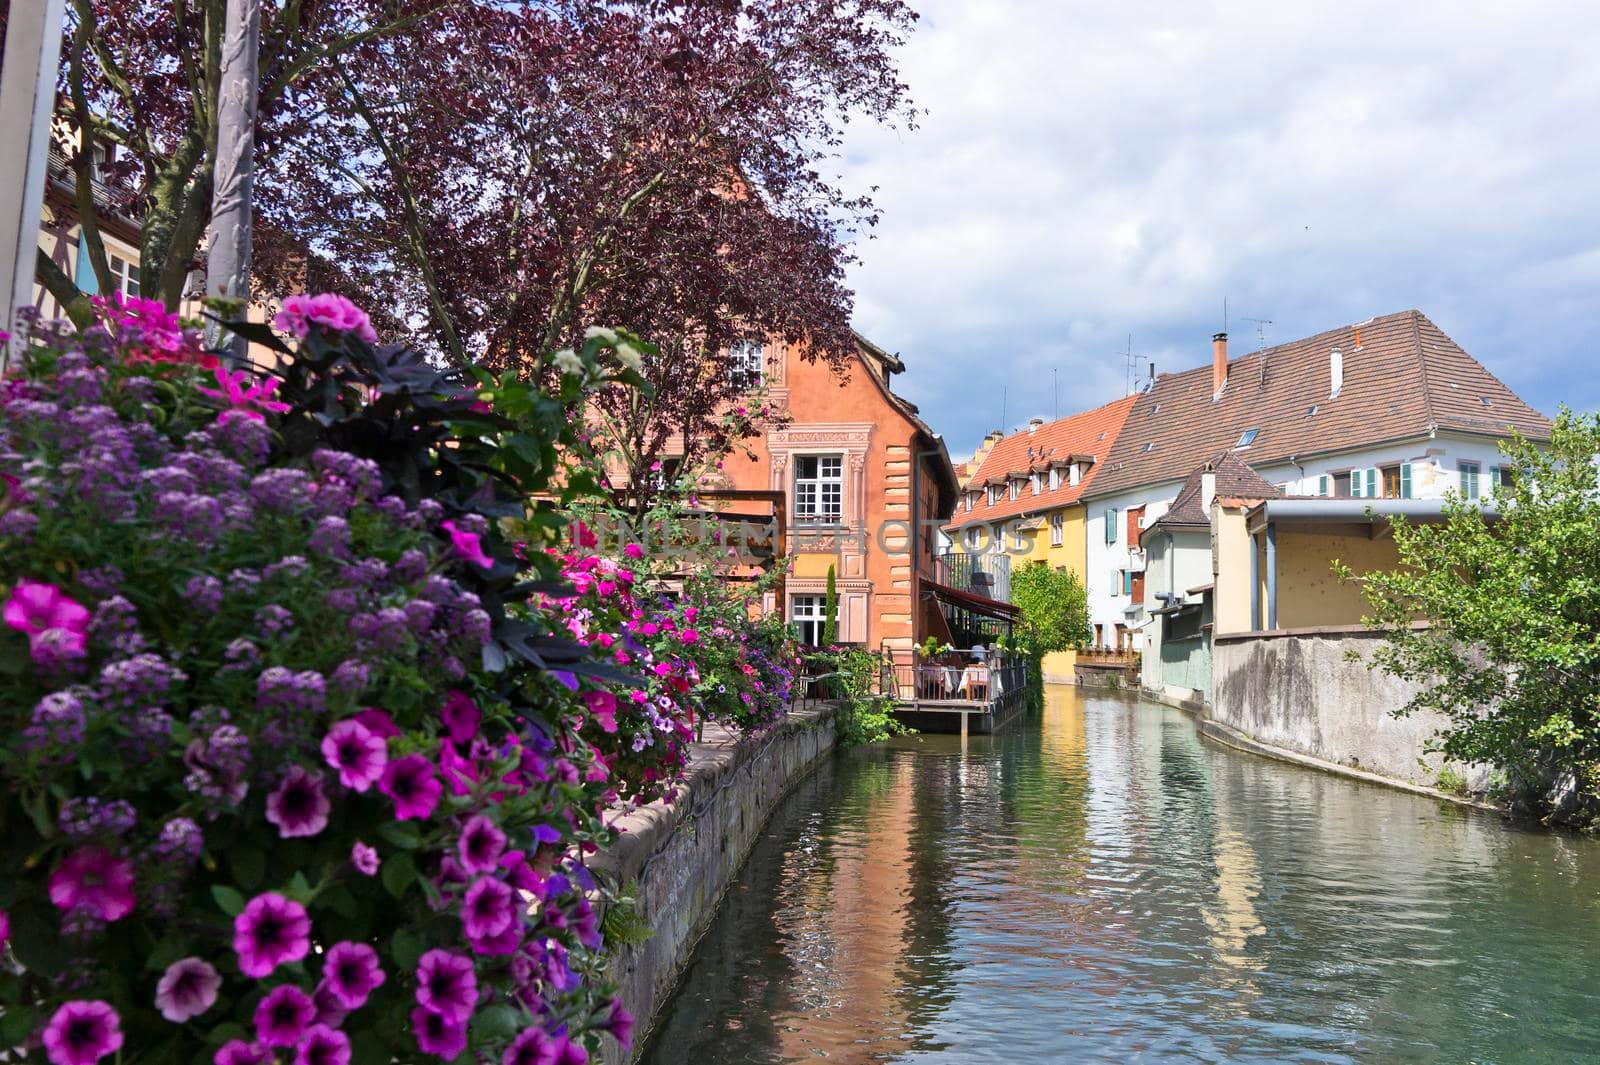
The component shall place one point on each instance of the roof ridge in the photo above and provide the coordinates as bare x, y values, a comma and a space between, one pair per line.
1422, 368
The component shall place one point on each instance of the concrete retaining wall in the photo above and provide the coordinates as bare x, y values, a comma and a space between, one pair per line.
685, 855
1298, 691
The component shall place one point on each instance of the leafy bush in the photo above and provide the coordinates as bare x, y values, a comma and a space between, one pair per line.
291, 766
850, 674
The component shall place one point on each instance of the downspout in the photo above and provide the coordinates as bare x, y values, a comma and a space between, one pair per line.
916, 543
1255, 586
1272, 575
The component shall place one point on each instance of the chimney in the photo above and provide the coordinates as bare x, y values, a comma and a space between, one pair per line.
1219, 363
1336, 371
1208, 489
1033, 425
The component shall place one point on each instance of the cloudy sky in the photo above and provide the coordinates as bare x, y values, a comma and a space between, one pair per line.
1087, 171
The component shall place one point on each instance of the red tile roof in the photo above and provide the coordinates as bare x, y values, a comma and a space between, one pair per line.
1091, 433
1235, 480
1403, 377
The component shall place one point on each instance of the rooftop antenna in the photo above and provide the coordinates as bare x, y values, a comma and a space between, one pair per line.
1224, 314
1131, 362
1003, 390
1261, 344
1055, 389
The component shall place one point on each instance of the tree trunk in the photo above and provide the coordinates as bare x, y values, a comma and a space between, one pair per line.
228, 239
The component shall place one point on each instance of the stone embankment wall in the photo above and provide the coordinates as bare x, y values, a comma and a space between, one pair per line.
684, 855
1297, 691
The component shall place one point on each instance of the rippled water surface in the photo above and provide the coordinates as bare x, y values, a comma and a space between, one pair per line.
1101, 885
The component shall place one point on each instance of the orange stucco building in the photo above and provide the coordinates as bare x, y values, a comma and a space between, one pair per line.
866, 483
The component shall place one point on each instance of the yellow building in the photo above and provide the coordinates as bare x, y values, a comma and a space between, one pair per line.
1020, 503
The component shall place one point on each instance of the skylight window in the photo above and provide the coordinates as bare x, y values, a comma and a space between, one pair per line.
1484, 400
1149, 447
1311, 410
1247, 437
1155, 408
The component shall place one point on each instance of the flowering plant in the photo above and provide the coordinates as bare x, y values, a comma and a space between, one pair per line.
291, 770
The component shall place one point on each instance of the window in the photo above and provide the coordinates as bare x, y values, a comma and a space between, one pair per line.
1397, 481
997, 538
1014, 487
747, 364
1058, 524
1247, 438
972, 539
1148, 447
1342, 485
1311, 411
819, 488
125, 276
1469, 479
1111, 525
994, 494
1036, 480
1322, 484
1155, 408
967, 500
808, 616
664, 475
1055, 478
1500, 477
1074, 473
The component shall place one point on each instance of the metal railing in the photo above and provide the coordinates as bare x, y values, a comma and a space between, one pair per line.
909, 677
985, 574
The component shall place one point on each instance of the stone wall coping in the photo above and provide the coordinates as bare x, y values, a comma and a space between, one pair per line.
721, 752
1316, 630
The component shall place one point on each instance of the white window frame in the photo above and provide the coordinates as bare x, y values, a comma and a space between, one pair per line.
747, 364
125, 274
808, 614
819, 496
1036, 479
1055, 478
972, 539
1469, 477
1014, 488
1058, 529
1074, 474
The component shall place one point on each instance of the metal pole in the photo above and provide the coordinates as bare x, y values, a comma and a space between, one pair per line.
228, 239
27, 97
1272, 576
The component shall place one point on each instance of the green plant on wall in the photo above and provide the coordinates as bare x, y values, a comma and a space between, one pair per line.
847, 674
830, 613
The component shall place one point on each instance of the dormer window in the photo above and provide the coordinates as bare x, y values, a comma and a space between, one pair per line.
747, 364
1037, 479
1247, 438
1055, 478
1015, 488
1074, 474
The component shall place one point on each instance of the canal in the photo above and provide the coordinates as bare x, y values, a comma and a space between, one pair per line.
1102, 885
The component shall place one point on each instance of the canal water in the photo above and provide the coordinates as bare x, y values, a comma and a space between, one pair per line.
1102, 885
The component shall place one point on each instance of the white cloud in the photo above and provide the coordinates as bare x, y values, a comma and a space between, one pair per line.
1087, 171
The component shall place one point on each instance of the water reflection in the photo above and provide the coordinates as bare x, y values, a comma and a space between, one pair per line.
1100, 885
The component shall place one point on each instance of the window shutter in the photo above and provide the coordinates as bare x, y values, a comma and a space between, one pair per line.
1116, 582
1111, 525
1322, 485
1494, 479
1405, 480
1358, 483
1372, 482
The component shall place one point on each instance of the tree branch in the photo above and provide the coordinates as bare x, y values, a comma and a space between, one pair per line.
58, 284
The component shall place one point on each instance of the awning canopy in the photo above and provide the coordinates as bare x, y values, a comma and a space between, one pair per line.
978, 604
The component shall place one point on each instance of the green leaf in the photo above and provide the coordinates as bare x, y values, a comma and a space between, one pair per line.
16, 1024
402, 834
406, 946
299, 889
229, 900
498, 1022
398, 874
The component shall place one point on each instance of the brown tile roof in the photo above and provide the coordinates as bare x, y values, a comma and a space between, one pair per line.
1091, 433
1402, 378
1235, 480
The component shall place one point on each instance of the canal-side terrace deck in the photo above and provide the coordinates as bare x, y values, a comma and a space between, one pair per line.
944, 694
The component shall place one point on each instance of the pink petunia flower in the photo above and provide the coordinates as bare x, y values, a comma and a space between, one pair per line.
377, 722
187, 989
467, 545
322, 1045
298, 806
94, 881
438, 1034
459, 773
603, 708
81, 1033
411, 783
365, 859
502, 944
350, 973
5, 929
633, 551
620, 1024
327, 310
356, 752
269, 931
532, 1046
283, 1016
238, 1052
488, 908
481, 845
48, 615
460, 716
447, 984
246, 396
